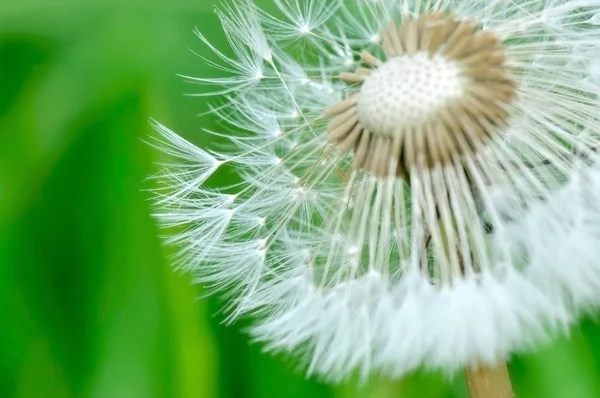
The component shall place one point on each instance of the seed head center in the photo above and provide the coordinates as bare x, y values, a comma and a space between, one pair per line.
407, 90
441, 92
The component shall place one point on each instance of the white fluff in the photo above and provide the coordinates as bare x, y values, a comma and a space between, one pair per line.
330, 261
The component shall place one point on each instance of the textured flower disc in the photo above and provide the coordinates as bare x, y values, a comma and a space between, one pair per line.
441, 93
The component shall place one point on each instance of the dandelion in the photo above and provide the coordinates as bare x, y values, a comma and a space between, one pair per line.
416, 182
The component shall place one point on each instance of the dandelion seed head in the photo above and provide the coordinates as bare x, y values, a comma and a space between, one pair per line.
415, 184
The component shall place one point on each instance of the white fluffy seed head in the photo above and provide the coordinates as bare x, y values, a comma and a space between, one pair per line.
407, 90
454, 243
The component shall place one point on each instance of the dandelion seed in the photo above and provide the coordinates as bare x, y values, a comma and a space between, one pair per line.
417, 180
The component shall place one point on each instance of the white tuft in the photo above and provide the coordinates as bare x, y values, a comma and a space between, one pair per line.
354, 273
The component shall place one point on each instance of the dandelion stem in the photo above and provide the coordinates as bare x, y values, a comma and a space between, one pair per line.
489, 382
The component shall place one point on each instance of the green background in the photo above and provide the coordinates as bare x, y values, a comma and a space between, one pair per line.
90, 305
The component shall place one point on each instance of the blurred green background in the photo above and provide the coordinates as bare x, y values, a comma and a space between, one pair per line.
91, 306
